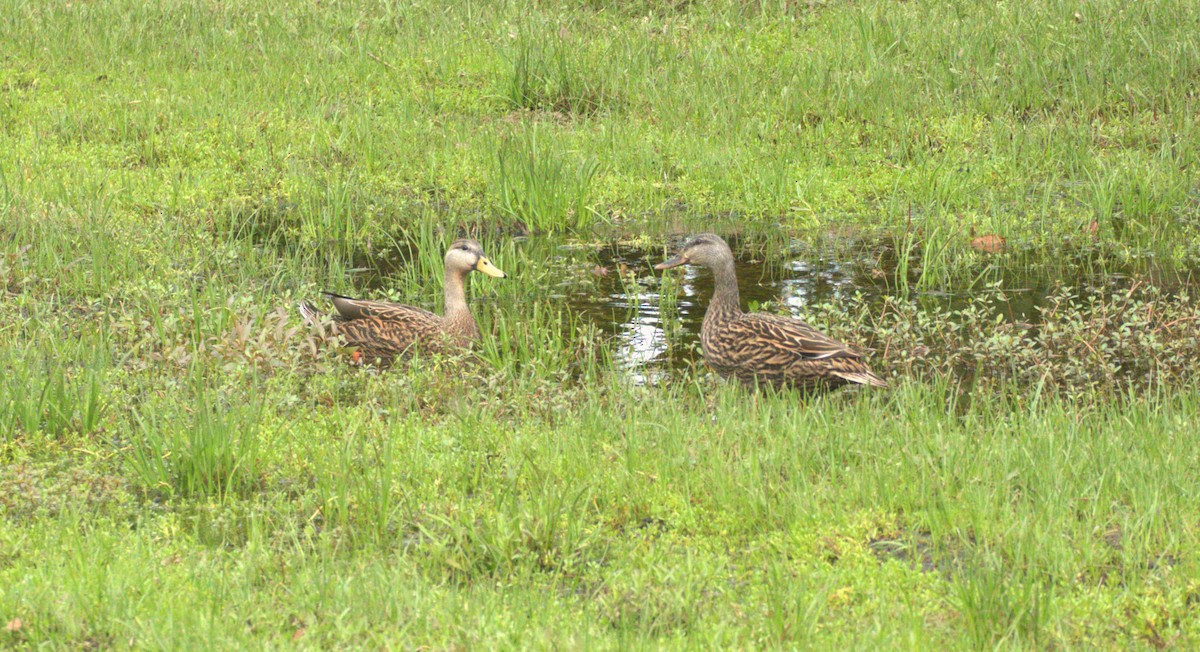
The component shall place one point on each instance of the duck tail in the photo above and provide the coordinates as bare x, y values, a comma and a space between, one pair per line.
310, 313
862, 376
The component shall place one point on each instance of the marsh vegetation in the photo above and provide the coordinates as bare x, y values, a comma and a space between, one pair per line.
997, 200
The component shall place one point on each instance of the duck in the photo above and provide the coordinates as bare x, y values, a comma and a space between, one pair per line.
381, 332
762, 349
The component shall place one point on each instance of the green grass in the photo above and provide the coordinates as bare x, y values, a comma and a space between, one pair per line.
1032, 119
647, 515
183, 465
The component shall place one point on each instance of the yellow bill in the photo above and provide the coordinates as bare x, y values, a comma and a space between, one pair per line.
484, 265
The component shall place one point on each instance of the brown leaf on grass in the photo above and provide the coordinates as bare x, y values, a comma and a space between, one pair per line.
299, 633
989, 244
14, 625
1092, 228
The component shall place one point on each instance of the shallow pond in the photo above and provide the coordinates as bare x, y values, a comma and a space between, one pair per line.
654, 318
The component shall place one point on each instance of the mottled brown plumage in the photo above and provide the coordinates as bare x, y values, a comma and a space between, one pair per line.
757, 348
381, 331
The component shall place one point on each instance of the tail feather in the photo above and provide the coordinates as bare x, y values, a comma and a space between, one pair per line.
310, 313
864, 377
854, 371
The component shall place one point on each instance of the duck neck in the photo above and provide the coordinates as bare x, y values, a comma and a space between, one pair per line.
725, 300
455, 305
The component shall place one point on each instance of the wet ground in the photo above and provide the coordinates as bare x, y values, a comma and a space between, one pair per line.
654, 318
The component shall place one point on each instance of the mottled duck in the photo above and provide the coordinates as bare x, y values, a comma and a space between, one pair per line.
379, 331
758, 348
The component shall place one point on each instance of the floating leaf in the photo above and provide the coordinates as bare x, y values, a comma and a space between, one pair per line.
990, 243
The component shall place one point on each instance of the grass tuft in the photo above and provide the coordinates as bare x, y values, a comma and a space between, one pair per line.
215, 456
547, 72
543, 189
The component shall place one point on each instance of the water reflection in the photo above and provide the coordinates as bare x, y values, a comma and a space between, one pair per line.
641, 344
625, 299
815, 281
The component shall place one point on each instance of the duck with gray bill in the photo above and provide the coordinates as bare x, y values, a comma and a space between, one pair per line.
381, 331
759, 348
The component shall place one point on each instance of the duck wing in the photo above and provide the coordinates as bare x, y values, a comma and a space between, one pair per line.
349, 309
791, 338
772, 346
383, 330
